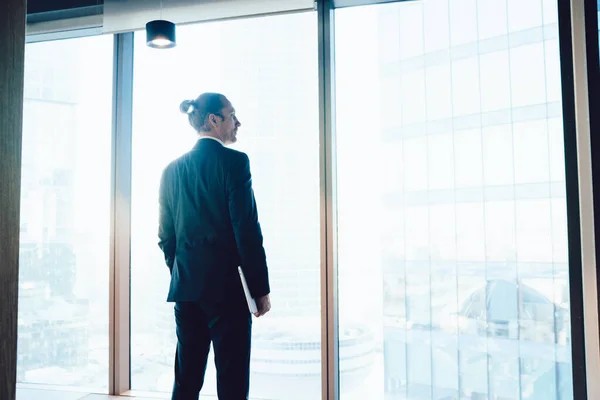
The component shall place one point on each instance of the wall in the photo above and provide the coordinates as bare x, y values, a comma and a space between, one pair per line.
12, 49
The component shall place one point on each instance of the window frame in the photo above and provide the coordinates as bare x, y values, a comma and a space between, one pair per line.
577, 45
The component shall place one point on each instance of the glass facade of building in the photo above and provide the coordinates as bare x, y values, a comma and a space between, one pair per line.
452, 198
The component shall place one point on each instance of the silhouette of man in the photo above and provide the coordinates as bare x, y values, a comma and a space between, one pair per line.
208, 226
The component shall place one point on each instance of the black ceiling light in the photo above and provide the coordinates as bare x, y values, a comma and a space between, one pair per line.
160, 34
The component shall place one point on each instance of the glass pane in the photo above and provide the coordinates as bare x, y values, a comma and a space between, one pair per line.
268, 67
453, 270
65, 214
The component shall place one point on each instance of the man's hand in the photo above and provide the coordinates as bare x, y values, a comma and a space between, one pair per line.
264, 305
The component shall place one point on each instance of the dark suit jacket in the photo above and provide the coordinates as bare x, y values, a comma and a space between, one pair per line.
209, 226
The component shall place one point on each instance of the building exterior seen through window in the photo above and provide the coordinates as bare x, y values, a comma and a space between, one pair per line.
65, 214
451, 196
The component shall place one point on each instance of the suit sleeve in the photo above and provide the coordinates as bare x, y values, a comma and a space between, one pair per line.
166, 227
246, 228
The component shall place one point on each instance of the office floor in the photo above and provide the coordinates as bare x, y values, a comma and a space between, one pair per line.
37, 394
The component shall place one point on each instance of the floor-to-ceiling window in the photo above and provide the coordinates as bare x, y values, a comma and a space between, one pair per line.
268, 68
453, 273
451, 208
65, 214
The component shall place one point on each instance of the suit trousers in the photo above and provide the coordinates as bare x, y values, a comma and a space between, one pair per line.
230, 333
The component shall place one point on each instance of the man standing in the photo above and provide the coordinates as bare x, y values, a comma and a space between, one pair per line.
208, 226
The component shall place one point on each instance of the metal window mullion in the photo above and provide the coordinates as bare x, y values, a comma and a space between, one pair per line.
119, 324
579, 195
329, 282
586, 201
585, 64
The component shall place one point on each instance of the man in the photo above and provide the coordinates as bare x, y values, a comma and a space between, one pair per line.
208, 226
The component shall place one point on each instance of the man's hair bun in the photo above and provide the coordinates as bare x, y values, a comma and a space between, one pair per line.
186, 106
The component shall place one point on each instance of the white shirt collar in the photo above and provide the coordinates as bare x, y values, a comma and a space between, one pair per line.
213, 138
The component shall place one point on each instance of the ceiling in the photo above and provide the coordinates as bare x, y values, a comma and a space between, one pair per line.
43, 6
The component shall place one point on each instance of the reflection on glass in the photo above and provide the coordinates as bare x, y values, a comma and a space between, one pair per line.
268, 68
453, 273
65, 214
